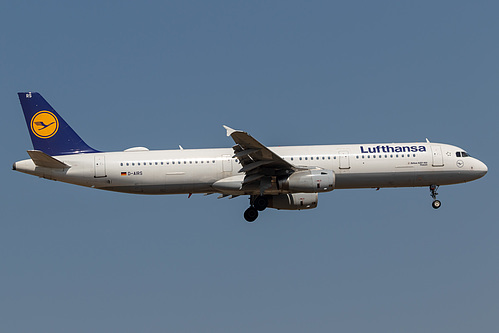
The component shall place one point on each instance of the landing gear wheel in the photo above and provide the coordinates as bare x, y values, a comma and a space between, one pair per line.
433, 193
436, 204
251, 214
260, 203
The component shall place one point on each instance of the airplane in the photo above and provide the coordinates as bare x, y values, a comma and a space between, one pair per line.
288, 178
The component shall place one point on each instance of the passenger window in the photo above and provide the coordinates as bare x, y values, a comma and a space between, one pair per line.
127, 164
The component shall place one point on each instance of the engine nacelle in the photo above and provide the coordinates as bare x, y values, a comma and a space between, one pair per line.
294, 201
308, 181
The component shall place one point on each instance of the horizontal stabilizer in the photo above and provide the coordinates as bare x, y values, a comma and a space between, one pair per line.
46, 161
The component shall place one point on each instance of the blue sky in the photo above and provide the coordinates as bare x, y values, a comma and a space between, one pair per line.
163, 73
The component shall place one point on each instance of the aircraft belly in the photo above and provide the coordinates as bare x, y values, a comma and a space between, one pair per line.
374, 180
161, 181
161, 189
399, 178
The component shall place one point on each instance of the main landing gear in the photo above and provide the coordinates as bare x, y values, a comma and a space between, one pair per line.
258, 203
433, 192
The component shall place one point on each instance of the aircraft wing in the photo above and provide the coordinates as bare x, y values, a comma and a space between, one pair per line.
258, 162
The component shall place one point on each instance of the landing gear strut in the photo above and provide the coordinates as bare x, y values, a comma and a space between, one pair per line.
258, 203
433, 192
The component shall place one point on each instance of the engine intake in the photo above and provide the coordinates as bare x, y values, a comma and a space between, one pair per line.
308, 181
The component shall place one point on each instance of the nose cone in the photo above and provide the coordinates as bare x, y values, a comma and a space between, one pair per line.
481, 168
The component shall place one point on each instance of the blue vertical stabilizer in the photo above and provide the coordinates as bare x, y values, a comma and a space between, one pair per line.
49, 132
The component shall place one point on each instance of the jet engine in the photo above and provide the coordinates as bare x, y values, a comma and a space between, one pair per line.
308, 181
294, 201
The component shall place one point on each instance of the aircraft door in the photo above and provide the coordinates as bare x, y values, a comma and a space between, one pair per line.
226, 164
344, 160
437, 157
99, 166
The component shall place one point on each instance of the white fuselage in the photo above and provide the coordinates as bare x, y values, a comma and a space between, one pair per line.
196, 170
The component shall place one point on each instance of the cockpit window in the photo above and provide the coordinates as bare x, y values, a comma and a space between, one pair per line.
462, 154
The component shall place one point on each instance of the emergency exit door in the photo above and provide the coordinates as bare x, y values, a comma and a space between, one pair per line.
344, 160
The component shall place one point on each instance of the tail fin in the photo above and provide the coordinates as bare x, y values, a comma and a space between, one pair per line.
49, 132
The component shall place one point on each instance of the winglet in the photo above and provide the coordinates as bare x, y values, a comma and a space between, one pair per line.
229, 130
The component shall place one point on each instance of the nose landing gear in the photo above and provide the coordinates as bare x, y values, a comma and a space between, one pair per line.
433, 193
